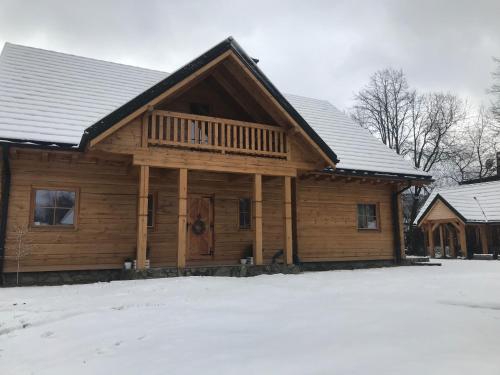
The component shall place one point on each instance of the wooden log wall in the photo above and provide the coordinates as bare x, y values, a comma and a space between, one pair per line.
327, 221
107, 219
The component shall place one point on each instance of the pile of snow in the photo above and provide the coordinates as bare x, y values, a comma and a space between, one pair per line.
407, 320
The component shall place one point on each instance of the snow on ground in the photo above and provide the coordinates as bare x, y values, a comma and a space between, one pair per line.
406, 320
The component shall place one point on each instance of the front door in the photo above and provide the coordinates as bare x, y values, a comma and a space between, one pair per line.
200, 227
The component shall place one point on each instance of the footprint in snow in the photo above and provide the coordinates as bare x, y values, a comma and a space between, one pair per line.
47, 334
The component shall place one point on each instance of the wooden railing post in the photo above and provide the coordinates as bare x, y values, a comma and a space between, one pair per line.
142, 217
287, 219
182, 218
257, 198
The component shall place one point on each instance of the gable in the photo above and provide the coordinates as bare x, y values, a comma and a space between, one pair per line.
440, 211
242, 67
174, 126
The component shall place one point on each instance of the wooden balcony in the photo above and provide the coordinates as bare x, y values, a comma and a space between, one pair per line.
182, 130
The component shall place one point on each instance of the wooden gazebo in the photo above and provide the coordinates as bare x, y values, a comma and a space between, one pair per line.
463, 220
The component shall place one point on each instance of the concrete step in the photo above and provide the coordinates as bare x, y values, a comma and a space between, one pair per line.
483, 256
427, 263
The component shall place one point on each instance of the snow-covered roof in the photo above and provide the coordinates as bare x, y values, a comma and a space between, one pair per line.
475, 202
53, 97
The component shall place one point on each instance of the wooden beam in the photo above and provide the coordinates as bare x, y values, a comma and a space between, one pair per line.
182, 218
244, 100
287, 219
142, 217
484, 238
171, 158
257, 198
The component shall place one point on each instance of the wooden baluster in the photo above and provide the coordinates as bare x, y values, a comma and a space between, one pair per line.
216, 134
259, 137
196, 131
282, 146
246, 143
190, 134
153, 128
176, 127
169, 135
264, 139
223, 130
160, 129
241, 144
210, 137
233, 134
182, 131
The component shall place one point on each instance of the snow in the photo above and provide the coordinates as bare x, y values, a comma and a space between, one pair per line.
406, 320
478, 202
53, 97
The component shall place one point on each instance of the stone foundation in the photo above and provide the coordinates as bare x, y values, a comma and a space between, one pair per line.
83, 277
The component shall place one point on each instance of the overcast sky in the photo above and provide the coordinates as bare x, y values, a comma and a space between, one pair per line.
322, 49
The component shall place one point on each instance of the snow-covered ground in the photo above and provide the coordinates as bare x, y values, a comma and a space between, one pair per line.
407, 320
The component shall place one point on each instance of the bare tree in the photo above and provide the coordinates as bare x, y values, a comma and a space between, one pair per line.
434, 118
22, 248
495, 91
383, 107
473, 154
417, 126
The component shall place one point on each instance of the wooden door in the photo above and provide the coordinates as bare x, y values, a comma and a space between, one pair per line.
200, 227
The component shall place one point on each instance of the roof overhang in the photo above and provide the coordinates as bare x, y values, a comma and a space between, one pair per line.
153, 95
438, 197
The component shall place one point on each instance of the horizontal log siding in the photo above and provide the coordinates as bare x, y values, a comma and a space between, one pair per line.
327, 221
106, 232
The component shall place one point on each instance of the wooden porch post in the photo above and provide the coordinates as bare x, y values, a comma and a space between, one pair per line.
441, 241
257, 198
431, 241
287, 219
182, 219
451, 239
463, 241
484, 238
142, 217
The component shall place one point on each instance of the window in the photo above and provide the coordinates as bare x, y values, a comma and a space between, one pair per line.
367, 216
54, 208
151, 210
245, 205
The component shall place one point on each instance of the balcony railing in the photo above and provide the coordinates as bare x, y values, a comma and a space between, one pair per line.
184, 130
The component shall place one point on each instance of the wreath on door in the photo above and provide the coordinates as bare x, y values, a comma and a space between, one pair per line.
199, 226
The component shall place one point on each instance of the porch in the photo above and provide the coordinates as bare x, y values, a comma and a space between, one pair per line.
452, 238
191, 218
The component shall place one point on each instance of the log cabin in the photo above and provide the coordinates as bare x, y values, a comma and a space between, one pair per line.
207, 166
462, 220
